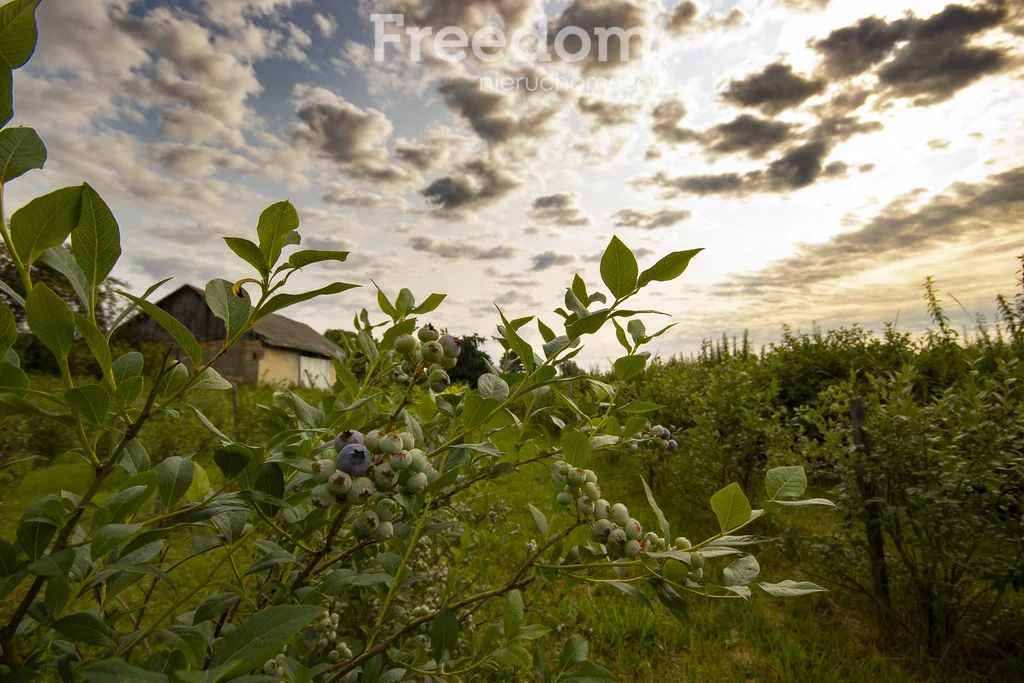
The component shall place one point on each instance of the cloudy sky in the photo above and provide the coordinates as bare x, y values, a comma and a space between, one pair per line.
827, 155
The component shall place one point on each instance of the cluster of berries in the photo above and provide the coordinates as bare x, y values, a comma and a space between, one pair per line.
657, 437
438, 352
365, 472
330, 643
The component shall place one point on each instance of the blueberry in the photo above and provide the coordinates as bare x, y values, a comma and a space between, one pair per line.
347, 437
632, 449
696, 560
651, 540
438, 381
576, 477
662, 445
322, 470
585, 505
452, 345
361, 491
391, 443
601, 530
683, 543
354, 459
270, 667
428, 333
434, 367
617, 539
416, 483
373, 440
408, 440
385, 530
632, 548
657, 429
672, 445
401, 460
665, 434
565, 497
592, 491
591, 476
561, 468
448, 363
386, 509
432, 352
633, 529
365, 524
340, 483
384, 476
321, 496
620, 514
431, 473
405, 343
697, 574
602, 509
417, 461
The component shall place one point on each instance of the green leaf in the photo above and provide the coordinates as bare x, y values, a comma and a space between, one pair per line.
260, 637
126, 503
444, 633
211, 379
639, 407
200, 485
84, 627
384, 303
109, 537
589, 673
619, 269
57, 563
232, 460
214, 606
250, 253
51, 320
173, 326
18, 32
776, 505
89, 401
579, 288
785, 482
492, 386
668, 268
129, 309
573, 652
34, 535
636, 330
96, 241
119, 671
58, 593
301, 259
546, 333
513, 616
432, 302
587, 324
672, 601
233, 310
790, 588
630, 366
666, 531
575, 447
96, 341
633, 592
21, 150
540, 665
44, 223
540, 520
731, 507
8, 329
13, 379
517, 343
135, 458
175, 476
405, 302
6, 95
276, 226
280, 301
742, 571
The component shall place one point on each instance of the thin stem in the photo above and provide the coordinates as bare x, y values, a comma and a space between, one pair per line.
26, 279
328, 540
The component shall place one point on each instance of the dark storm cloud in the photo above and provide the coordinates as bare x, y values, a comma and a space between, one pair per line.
472, 185
457, 249
964, 214
773, 90
748, 134
854, 49
492, 115
645, 220
558, 210
550, 259
606, 114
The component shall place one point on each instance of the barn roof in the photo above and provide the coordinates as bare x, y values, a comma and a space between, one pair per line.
281, 332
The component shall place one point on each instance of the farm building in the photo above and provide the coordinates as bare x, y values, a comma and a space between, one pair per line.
278, 350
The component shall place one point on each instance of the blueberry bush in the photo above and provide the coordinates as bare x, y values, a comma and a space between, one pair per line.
320, 548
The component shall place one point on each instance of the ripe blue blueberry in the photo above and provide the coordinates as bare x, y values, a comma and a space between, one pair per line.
373, 440
401, 460
354, 459
602, 509
585, 505
405, 343
391, 443
322, 470
672, 445
346, 438
683, 543
408, 440
576, 477
361, 491
416, 483
452, 345
428, 333
633, 529
321, 496
620, 514
632, 548
665, 434
601, 530
432, 352
384, 476
438, 381
386, 509
340, 483
592, 491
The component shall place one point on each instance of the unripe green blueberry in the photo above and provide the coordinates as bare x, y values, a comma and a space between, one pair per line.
335, 618
270, 667
449, 362
428, 333
384, 476
322, 470
696, 560
386, 509
361, 491
657, 429
651, 540
591, 476
416, 483
617, 539
576, 477
452, 345
365, 524
391, 443
340, 483
400, 461
602, 509
561, 468
632, 548
432, 352
322, 643
433, 367
601, 530
438, 381
321, 496
333, 656
633, 529
372, 440
405, 343
592, 491
683, 543
632, 449
697, 574
662, 544
345, 651
332, 635
585, 505
662, 445
408, 440
565, 497
620, 514
417, 461
431, 473
385, 530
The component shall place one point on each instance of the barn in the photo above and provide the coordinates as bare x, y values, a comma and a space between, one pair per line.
278, 350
